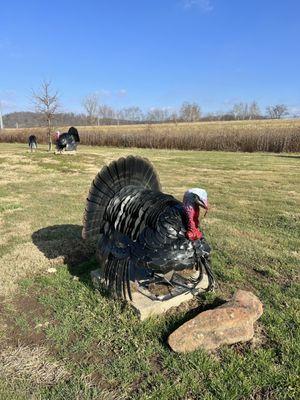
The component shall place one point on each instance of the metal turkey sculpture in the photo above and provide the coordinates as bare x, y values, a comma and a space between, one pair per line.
143, 235
68, 141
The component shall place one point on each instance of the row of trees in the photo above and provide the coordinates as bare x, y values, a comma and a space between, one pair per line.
46, 104
243, 111
95, 111
188, 112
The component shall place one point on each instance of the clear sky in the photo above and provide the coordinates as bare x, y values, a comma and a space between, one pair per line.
151, 52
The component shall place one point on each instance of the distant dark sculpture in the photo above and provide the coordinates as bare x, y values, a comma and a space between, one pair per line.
145, 236
32, 143
67, 141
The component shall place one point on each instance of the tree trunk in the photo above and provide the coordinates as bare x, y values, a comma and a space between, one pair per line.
49, 135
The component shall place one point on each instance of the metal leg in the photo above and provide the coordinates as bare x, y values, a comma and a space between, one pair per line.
176, 283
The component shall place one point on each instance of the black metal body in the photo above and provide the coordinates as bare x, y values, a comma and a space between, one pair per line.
140, 230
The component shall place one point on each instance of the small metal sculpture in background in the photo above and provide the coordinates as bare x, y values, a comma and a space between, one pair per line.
67, 141
32, 143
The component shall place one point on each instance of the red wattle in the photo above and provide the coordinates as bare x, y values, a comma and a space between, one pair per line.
193, 233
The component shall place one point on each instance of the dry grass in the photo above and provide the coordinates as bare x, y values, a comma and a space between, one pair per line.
247, 136
19, 262
33, 364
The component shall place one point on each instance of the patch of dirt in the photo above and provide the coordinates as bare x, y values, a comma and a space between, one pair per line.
156, 362
262, 394
23, 354
92, 355
96, 379
28, 332
137, 383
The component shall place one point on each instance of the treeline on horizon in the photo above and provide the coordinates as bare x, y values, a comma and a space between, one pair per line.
106, 115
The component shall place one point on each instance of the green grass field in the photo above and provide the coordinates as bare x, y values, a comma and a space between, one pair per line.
61, 340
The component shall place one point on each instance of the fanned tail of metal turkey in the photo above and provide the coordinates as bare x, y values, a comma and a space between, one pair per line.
132, 170
117, 277
74, 132
129, 171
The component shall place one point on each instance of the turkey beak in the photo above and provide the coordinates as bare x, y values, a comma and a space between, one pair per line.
204, 204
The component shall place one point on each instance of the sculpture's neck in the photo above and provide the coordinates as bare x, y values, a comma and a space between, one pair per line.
192, 212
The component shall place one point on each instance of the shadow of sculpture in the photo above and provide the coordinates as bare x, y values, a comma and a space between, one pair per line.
289, 156
63, 244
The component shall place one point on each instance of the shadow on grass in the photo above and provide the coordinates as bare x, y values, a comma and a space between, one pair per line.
288, 156
63, 243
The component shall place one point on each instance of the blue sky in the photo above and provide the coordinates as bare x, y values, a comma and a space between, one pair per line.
151, 52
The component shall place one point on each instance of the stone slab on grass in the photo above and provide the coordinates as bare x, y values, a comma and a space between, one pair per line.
230, 323
145, 307
68, 152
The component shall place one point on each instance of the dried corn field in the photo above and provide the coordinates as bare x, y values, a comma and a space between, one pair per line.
246, 136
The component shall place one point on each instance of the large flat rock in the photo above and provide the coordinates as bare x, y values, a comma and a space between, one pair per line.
230, 323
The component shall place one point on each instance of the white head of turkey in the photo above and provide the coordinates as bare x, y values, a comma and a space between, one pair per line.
142, 233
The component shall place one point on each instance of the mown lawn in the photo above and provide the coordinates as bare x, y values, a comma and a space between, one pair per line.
61, 340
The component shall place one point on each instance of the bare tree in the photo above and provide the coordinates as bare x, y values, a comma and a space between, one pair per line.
91, 106
174, 117
106, 112
157, 114
237, 110
277, 111
240, 111
190, 112
46, 103
167, 113
133, 114
254, 110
